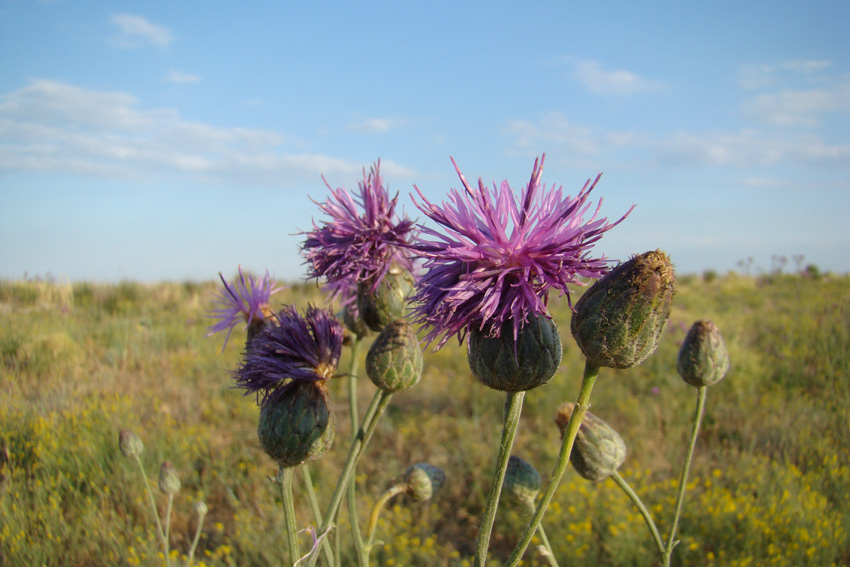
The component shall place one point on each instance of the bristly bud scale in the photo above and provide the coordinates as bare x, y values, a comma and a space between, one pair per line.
423, 480
130, 444
516, 364
522, 481
169, 482
598, 451
703, 359
394, 361
618, 322
381, 304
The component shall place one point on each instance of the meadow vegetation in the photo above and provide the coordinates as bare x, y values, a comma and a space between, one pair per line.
770, 483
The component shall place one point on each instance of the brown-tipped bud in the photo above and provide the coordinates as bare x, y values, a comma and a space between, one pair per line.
509, 365
703, 359
130, 444
169, 482
618, 322
388, 302
394, 361
298, 425
522, 481
423, 480
598, 449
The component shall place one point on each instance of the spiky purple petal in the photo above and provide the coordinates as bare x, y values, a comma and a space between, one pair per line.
245, 299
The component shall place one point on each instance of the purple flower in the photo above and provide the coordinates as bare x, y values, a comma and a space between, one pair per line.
499, 257
246, 299
293, 348
355, 247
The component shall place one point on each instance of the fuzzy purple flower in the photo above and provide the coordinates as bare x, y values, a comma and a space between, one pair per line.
246, 299
293, 348
354, 247
499, 258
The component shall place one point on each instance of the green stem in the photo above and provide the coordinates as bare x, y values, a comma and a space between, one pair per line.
621, 482
195, 540
671, 541
550, 555
376, 510
379, 403
317, 513
582, 405
513, 409
285, 475
167, 529
362, 557
152, 501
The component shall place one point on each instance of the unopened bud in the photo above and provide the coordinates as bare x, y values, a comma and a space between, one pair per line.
130, 444
703, 359
618, 322
201, 508
598, 451
387, 303
297, 426
509, 365
169, 482
394, 361
522, 481
423, 480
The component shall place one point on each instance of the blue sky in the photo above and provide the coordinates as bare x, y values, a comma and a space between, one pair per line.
164, 141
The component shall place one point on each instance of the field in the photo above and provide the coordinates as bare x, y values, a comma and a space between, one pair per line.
770, 484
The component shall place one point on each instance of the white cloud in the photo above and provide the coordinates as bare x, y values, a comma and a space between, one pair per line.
611, 82
134, 31
803, 107
554, 130
382, 125
762, 75
181, 78
53, 126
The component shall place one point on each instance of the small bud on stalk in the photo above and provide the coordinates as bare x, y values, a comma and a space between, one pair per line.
618, 322
130, 444
507, 365
703, 359
378, 307
522, 481
423, 480
169, 482
598, 451
394, 361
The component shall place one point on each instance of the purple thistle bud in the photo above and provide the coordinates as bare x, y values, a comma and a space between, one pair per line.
245, 299
292, 349
500, 256
355, 246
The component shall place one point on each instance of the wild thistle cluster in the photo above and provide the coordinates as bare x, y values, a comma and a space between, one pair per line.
481, 273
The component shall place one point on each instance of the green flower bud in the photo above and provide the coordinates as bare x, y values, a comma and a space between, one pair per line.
169, 482
522, 481
618, 321
298, 425
353, 321
703, 359
394, 361
516, 366
130, 444
598, 449
388, 302
423, 480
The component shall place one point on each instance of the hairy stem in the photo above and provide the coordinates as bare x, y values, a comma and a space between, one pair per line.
290, 524
621, 482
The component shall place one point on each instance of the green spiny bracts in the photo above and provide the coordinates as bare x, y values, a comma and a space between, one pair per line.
598, 451
703, 359
352, 320
522, 481
423, 480
394, 361
298, 425
130, 444
169, 482
389, 302
618, 322
516, 366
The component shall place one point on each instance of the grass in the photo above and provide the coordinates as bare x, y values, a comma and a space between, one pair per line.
770, 483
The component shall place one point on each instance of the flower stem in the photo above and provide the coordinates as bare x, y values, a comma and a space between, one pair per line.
376, 510
362, 557
671, 541
317, 514
195, 540
513, 409
591, 371
621, 482
167, 528
290, 525
159, 531
550, 555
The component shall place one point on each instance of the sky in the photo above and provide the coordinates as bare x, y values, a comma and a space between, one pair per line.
157, 140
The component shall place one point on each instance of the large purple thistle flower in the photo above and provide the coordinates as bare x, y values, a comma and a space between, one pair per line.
245, 299
293, 348
499, 258
354, 247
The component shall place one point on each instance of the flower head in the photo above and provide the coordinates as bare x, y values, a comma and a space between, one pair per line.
362, 239
245, 299
292, 349
500, 256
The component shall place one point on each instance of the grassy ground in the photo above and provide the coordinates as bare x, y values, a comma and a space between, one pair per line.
770, 483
